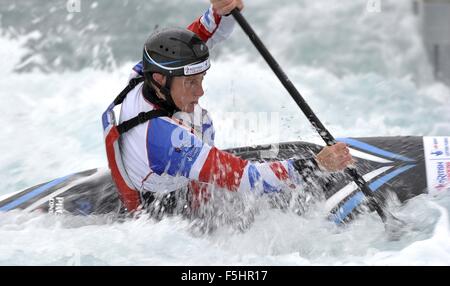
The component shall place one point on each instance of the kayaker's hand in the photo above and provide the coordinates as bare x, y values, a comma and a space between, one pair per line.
224, 7
334, 158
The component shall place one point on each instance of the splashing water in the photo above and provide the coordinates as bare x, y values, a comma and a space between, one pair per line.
363, 73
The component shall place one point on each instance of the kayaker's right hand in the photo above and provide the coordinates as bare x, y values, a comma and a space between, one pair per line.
224, 7
335, 158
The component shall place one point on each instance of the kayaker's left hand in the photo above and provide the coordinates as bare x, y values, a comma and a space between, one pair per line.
224, 7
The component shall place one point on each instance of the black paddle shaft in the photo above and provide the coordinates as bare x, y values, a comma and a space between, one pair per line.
323, 132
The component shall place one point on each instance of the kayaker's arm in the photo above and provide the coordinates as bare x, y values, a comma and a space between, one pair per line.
174, 150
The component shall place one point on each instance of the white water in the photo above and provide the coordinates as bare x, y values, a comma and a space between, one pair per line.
365, 74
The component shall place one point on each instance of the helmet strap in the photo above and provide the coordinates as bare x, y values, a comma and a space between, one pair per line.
166, 91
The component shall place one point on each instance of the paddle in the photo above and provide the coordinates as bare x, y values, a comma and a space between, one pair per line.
318, 126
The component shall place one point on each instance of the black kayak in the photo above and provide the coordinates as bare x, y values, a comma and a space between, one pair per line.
404, 165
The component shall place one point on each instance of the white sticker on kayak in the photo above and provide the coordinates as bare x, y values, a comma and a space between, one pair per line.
56, 205
437, 160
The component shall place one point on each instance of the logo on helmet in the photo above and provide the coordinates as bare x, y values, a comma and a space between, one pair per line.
196, 68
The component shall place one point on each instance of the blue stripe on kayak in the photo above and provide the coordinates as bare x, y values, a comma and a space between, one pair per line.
357, 198
373, 149
348, 207
33, 194
381, 181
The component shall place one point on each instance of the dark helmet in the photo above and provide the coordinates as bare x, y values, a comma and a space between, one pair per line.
175, 52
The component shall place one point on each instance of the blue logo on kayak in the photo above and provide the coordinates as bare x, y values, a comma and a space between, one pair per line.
447, 147
443, 171
437, 153
84, 206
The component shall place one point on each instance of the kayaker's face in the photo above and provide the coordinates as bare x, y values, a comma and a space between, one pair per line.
186, 91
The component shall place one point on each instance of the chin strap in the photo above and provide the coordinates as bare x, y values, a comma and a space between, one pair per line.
149, 94
166, 91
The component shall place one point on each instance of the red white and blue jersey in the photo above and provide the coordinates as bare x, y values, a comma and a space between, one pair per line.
166, 154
